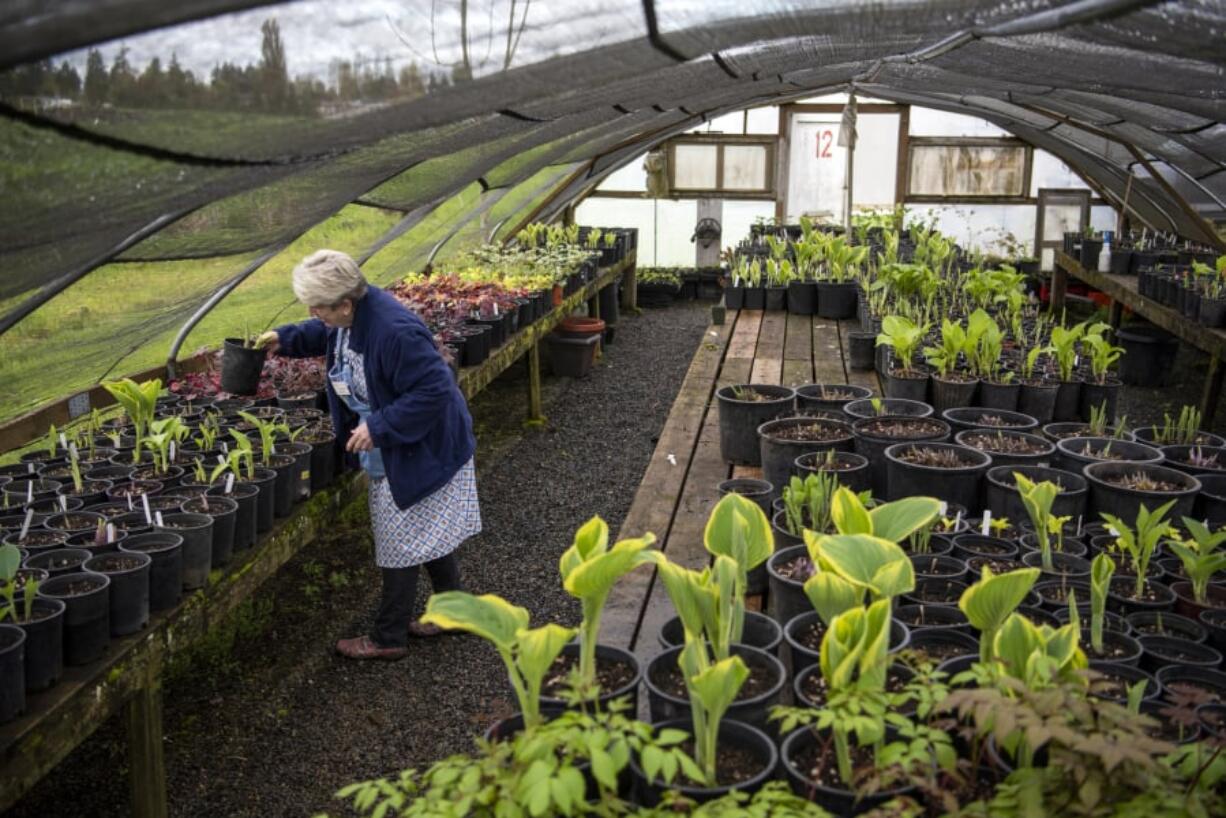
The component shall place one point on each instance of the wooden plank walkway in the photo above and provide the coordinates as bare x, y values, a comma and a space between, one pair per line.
675, 498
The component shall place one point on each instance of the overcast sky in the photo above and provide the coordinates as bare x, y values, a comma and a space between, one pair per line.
318, 32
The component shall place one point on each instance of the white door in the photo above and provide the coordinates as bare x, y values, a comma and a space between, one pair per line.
817, 166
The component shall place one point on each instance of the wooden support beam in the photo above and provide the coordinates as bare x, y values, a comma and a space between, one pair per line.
1059, 287
145, 757
536, 415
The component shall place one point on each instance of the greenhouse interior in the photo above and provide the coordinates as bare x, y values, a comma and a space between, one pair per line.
768, 408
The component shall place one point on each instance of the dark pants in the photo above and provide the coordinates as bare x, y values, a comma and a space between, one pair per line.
400, 592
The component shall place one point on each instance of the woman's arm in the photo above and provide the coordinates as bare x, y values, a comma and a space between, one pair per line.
422, 383
307, 339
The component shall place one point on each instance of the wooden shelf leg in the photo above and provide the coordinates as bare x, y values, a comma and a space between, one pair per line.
1213, 391
533, 356
630, 290
148, 774
1059, 285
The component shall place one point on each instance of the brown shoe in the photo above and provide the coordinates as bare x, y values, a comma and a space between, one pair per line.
424, 630
361, 647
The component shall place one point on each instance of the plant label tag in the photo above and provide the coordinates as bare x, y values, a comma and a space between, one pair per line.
229, 483
144, 498
72, 451
29, 492
340, 388
30, 467
305, 475
1112, 531
957, 519
25, 525
221, 460
63, 441
130, 507
110, 532
1076, 360
943, 508
1078, 534
64, 503
158, 519
225, 447
987, 523
172, 451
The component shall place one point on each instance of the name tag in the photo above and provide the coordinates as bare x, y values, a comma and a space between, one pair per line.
341, 388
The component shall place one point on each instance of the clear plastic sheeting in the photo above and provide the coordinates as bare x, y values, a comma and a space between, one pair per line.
175, 135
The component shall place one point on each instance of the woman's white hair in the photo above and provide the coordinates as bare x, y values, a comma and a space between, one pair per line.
328, 277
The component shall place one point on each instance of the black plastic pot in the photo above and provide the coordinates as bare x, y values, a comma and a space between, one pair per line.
1165, 623
760, 631
1120, 597
1038, 400
87, 626
129, 595
862, 352
266, 501
998, 395
12, 672
910, 385
1118, 647
836, 301
1211, 681
801, 656
776, 299
747, 737
1149, 436
822, 397
1178, 457
301, 452
949, 393
926, 617
1068, 401
785, 597
245, 495
1053, 593
1129, 675
1095, 395
165, 551
224, 512
59, 561
954, 485
871, 443
44, 647
778, 452
241, 367
734, 297
1213, 620
853, 469
197, 533
1063, 565
1071, 452
839, 801
938, 566
1149, 353
664, 706
1109, 498
999, 458
936, 592
604, 653
890, 407
977, 417
1163, 651
978, 545
323, 460
739, 420
285, 487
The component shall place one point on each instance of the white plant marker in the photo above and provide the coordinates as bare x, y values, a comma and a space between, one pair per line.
64, 503
229, 483
144, 498
987, 523
110, 532
158, 518
25, 525
943, 508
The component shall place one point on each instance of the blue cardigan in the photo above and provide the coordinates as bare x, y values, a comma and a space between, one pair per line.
419, 419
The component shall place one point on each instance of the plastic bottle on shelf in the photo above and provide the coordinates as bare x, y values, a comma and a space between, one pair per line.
1104, 257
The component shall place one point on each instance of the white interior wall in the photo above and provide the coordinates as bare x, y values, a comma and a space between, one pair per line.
979, 226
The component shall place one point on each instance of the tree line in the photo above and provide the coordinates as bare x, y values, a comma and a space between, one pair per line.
264, 86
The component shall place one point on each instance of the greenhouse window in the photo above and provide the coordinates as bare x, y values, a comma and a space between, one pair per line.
942, 169
723, 165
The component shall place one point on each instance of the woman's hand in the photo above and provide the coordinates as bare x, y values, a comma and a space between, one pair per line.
359, 440
270, 341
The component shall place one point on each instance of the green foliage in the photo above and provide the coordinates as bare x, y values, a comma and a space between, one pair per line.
1182, 430
1138, 544
1201, 558
1101, 570
1064, 348
10, 564
990, 602
1037, 498
902, 335
953, 344
139, 402
526, 653
1102, 352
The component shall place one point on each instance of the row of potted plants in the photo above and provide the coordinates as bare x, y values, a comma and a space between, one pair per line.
870, 719
103, 529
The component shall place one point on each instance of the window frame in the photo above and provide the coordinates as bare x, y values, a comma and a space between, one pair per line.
768, 141
972, 142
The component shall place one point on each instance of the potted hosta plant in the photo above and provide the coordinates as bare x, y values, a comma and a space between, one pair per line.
1037, 397
1064, 351
1139, 592
1202, 562
951, 386
1103, 387
904, 379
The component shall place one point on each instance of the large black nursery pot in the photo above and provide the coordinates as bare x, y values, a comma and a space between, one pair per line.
957, 482
951, 391
44, 647
746, 737
165, 551
224, 512
1095, 395
799, 754
875, 435
323, 458
861, 349
197, 533
754, 298
734, 296
892, 407
908, 384
1160, 652
1149, 435
1196, 460
764, 668
1075, 453
836, 300
1006, 447
828, 397
241, 367
1149, 354
266, 501
739, 418
607, 659
285, 487
940, 644
1037, 398
798, 633
782, 441
302, 467
977, 417
786, 597
760, 631
776, 298
12, 672
1108, 495
1214, 623
1068, 400
87, 616
802, 297
1003, 395
246, 498
852, 470
129, 595
1165, 623
1116, 678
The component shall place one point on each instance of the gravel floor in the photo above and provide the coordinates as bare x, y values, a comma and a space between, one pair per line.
266, 721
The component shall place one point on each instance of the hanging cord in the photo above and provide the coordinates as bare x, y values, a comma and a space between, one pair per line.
653, 33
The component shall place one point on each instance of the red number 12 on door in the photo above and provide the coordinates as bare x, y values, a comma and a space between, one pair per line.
824, 140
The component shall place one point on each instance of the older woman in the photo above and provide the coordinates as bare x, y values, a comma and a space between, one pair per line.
396, 404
